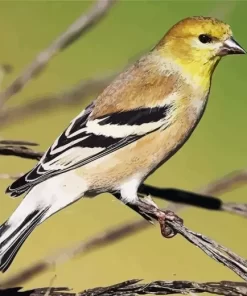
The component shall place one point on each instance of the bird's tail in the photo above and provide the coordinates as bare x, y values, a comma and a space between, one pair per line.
13, 235
41, 202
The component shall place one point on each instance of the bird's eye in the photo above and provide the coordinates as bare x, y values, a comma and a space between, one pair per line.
204, 38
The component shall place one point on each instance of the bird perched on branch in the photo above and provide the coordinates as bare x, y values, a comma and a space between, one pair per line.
136, 124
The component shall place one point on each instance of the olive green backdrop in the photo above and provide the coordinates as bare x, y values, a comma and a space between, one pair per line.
217, 146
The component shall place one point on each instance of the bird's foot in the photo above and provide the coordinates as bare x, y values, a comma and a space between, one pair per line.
147, 205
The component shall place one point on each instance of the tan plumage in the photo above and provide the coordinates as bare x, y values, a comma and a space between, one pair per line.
133, 127
152, 150
134, 88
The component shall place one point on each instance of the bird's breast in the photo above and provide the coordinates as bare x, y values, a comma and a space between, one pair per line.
146, 154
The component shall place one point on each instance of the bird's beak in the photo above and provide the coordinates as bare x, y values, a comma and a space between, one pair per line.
230, 46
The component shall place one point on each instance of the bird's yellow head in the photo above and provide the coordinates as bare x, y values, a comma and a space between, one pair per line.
198, 43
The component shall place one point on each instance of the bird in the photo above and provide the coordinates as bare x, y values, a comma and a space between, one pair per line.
138, 122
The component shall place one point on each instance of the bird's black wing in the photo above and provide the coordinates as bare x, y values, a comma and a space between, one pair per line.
86, 140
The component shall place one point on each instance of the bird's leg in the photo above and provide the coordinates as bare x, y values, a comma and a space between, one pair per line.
135, 208
147, 206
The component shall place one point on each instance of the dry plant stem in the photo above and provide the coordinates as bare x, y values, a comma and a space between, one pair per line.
74, 32
71, 97
224, 184
16, 142
203, 199
4, 69
229, 182
235, 208
12, 177
20, 151
134, 287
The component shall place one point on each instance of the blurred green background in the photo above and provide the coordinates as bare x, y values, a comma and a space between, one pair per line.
218, 145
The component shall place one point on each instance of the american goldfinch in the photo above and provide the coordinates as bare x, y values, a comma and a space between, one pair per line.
136, 124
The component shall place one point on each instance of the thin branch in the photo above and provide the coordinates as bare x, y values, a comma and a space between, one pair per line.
4, 70
71, 97
17, 142
12, 177
235, 208
229, 182
20, 151
224, 184
73, 33
203, 199
133, 287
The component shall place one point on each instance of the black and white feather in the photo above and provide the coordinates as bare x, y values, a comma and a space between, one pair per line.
86, 140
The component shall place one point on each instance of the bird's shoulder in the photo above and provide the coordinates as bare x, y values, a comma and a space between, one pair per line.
134, 105
142, 85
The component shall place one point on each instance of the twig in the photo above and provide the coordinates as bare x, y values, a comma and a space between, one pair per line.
229, 182
133, 287
12, 177
224, 184
74, 32
235, 208
4, 69
20, 151
71, 97
181, 199
17, 142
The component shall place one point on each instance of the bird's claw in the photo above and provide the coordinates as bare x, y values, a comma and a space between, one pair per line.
147, 206
166, 230
148, 200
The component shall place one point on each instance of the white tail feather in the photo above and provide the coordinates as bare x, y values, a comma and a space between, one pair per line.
41, 202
